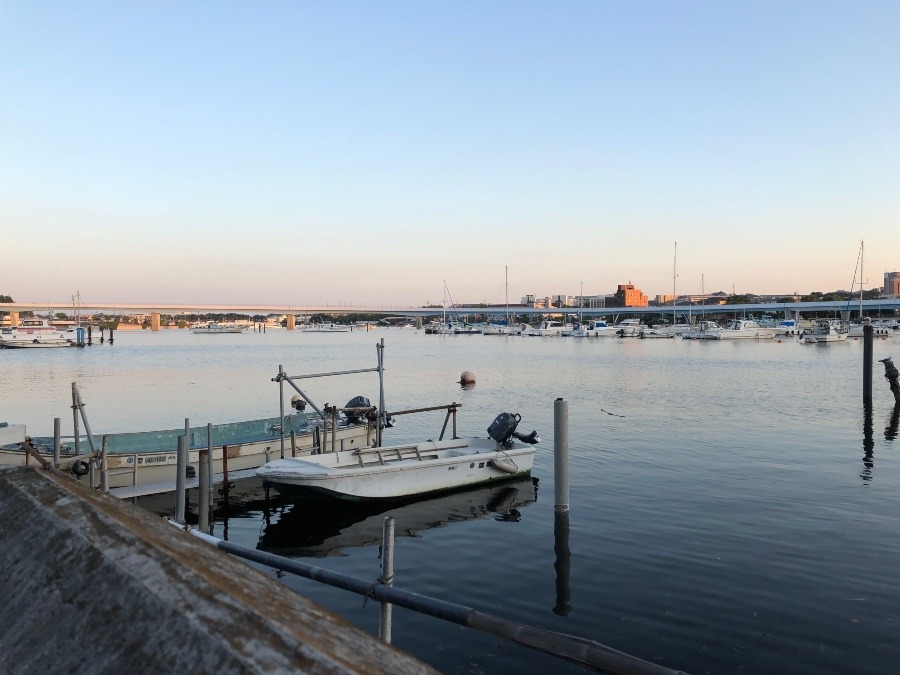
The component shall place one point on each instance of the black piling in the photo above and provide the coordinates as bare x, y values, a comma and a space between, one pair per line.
868, 346
110, 335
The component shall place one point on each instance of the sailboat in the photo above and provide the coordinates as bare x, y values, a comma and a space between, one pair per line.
508, 328
667, 331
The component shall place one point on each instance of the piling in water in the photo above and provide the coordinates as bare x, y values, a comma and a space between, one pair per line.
385, 621
561, 454
868, 340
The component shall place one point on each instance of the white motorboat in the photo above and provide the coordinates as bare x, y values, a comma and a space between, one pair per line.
216, 328
704, 330
407, 470
826, 331
787, 328
549, 328
884, 329
629, 328
327, 328
36, 332
745, 329
593, 329
501, 329
657, 333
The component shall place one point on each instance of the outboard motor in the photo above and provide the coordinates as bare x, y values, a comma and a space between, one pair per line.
503, 430
356, 402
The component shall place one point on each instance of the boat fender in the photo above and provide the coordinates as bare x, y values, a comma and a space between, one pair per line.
190, 472
80, 468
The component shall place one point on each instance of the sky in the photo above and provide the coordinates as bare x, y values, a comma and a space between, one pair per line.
369, 152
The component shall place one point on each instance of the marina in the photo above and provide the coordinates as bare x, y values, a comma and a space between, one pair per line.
720, 504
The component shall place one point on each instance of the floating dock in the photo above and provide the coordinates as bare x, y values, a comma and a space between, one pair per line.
95, 584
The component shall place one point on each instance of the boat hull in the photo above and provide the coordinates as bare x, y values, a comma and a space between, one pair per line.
445, 466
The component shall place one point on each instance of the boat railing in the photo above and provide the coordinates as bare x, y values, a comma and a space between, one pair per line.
451, 409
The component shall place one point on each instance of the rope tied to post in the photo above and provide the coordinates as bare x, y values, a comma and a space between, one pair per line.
370, 594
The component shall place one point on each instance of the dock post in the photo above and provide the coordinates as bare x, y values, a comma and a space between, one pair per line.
387, 578
75, 427
104, 467
180, 471
56, 441
892, 375
209, 470
203, 507
868, 339
561, 454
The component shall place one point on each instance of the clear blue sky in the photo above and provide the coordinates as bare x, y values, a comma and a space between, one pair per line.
300, 152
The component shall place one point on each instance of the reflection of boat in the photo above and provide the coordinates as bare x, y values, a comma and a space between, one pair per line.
216, 328
303, 529
407, 470
31, 333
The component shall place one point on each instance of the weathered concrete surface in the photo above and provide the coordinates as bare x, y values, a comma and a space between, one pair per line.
89, 583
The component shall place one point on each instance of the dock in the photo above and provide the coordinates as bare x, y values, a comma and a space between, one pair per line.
92, 583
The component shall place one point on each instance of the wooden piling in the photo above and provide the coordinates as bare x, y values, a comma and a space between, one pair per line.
868, 347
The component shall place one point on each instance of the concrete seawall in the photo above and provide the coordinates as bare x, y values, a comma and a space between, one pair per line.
90, 583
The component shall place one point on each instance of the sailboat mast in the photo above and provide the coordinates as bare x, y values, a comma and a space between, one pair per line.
674, 277
862, 245
506, 279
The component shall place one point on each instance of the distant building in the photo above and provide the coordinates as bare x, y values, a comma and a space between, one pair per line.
891, 284
629, 296
664, 299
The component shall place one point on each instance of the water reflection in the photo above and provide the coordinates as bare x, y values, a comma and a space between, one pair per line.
868, 443
890, 431
563, 564
324, 528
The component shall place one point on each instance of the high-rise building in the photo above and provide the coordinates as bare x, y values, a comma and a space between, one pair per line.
629, 296
891, 284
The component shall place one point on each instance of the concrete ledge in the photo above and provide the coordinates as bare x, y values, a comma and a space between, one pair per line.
90, 583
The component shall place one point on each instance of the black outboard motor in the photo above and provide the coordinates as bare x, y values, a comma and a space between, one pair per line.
503, 430
356, 402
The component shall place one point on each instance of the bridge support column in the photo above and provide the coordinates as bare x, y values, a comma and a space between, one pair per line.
13, 319
291, 322
154, 321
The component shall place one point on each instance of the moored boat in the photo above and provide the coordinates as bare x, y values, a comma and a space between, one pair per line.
37, 333
407, 470
629, 328
549, 328
593, 329
216, 328
745, 329
826, 331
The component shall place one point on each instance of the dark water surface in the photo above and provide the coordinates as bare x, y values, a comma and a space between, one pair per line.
729, 511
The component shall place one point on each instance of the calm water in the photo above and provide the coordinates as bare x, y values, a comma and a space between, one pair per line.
726, 515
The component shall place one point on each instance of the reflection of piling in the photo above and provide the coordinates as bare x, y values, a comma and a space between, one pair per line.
561, 454
892, 375
387, 578
563, 563
868, 340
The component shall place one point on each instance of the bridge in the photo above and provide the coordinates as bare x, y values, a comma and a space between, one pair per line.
869, 307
